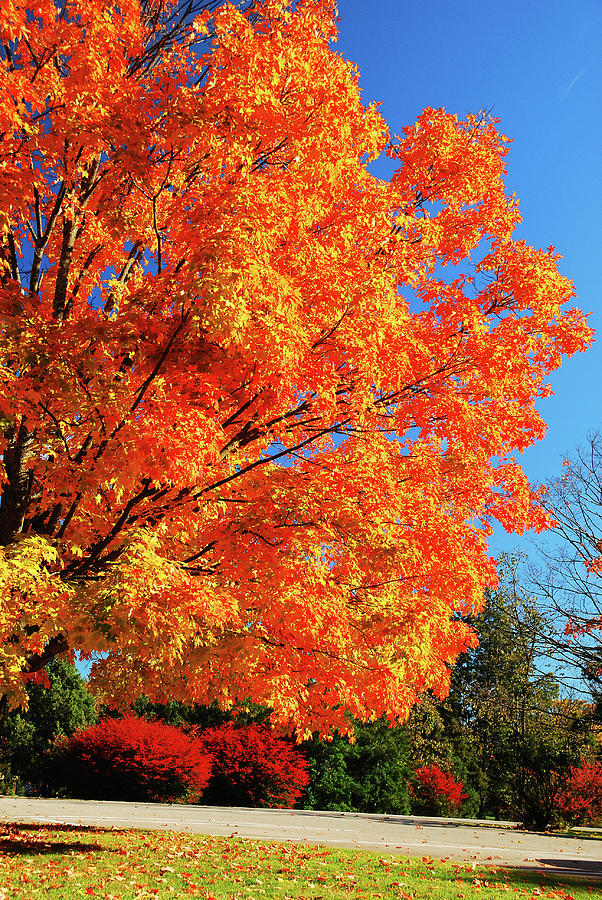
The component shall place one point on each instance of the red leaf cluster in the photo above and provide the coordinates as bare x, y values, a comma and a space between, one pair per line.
253, 767
436, 790
135, 759
581, 798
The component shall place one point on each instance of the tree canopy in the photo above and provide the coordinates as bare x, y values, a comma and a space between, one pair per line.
258, 405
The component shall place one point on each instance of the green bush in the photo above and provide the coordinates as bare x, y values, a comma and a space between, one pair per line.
58, 708
370, 774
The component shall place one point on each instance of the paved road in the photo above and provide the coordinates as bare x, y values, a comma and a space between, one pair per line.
492, 844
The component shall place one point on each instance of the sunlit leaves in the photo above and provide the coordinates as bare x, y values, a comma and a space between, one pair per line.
259, 429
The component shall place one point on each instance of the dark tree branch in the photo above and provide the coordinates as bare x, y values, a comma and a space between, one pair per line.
43, 237
16, 493
135, 255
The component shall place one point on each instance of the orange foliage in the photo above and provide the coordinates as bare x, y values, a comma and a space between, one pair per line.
258, 405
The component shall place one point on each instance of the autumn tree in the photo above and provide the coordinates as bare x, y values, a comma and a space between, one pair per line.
258, 405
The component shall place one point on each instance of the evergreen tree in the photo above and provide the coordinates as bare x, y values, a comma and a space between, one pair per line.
58, 708
524, 736
370, 774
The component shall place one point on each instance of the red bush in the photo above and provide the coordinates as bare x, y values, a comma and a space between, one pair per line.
133, 759
580, 800
436, 792
253, 767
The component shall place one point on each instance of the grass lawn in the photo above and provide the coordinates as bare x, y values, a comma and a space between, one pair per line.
66, 862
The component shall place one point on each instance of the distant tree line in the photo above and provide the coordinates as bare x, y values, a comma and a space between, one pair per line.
504, 743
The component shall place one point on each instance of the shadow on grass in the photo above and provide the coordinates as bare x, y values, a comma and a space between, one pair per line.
15, 840
555, 872
12, 847
51, 827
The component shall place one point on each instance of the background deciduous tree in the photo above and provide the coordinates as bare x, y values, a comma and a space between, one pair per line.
569, 584
258, 406
506, 719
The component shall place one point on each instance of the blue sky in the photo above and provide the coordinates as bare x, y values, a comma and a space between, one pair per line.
538, 65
